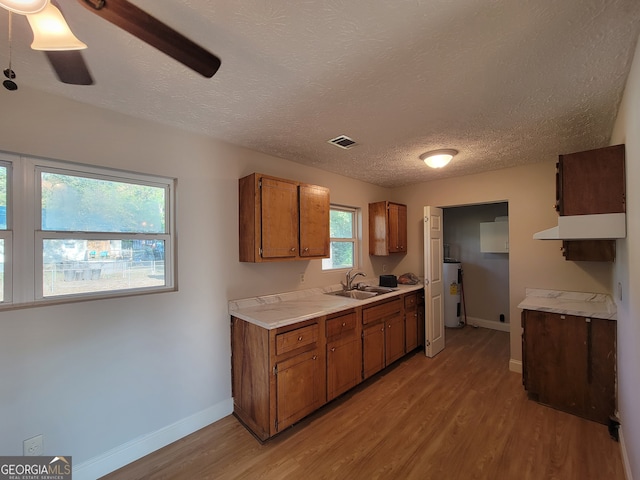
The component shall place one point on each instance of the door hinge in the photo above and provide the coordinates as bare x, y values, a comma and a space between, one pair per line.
275, 369
428, 343
276, 424
260, 251
260, 183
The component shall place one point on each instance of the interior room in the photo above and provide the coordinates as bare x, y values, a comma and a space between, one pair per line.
110, 377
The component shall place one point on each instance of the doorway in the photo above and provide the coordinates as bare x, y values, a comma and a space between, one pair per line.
484, 291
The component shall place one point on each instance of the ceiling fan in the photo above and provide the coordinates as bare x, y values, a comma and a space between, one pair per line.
65, 57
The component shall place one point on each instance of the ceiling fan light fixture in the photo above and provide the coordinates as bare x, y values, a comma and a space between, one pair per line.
438, 158
51, 32
24, 7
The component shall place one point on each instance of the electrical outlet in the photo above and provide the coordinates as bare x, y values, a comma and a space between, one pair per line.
384, 268
302, 278
33, 446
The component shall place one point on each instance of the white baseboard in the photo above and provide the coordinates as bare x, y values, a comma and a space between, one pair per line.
515, 366
625, 457
135, 449
479, 322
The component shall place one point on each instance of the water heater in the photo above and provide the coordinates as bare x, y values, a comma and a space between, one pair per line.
452, 276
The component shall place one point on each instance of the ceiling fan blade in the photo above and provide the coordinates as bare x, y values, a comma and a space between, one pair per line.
70, 67
157, 34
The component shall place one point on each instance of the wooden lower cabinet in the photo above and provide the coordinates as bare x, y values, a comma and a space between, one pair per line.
411, 321
280, 376
383, 335
569, 362
344, 353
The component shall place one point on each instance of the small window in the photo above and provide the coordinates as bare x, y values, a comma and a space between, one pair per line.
344, 239
5, 233
78, 232
101, 233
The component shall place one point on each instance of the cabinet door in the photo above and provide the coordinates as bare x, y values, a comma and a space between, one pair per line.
344, 365
300, 387
556, 360
591, 182
601, 370
394, 339
314, 221
397, 218
411, 322
373, 353
279, 199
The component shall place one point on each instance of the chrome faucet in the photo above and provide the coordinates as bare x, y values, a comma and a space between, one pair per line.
350, 278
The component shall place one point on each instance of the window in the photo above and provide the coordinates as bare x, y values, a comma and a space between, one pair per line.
5, 234
83, 232
344, 238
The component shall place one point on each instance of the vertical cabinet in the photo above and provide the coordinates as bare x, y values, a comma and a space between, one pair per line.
411, 321
382, 335
569, 363
387, 228
590, 183
279, 375
344, 352
282, 219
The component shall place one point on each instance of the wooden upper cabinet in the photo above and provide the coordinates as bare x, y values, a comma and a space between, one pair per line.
591, 182
314, 221
282, 219
387, 228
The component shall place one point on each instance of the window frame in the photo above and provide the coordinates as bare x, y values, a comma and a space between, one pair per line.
355, 239
25, 285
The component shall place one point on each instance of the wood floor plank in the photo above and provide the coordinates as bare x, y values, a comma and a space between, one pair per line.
460, 415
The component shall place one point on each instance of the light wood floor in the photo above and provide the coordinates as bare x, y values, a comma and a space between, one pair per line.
461, 415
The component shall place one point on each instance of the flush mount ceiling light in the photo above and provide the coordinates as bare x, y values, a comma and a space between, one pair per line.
438, 158
24, 7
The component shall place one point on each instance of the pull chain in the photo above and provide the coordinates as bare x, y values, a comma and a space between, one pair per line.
9, 73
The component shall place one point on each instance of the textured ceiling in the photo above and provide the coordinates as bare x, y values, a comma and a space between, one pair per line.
505, 83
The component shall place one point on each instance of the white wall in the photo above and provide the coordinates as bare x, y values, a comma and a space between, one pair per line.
530, 191
627, 274
98, 378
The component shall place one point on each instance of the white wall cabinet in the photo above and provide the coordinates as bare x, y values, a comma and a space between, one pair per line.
494, 237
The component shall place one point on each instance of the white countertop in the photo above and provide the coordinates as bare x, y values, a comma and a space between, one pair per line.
278, 310
583, 304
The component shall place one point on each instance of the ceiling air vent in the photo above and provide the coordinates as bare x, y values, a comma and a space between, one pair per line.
343, 142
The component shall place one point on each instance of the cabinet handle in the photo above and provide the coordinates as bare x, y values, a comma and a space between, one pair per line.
333, 349
306, 249
300, 338
389, 325
293, 249
315, 357
344, 324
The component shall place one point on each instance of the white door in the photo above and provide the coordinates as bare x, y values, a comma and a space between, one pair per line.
433, 289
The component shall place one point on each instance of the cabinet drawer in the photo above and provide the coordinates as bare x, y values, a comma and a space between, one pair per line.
410, 302
379, 312
341, 325
286, 342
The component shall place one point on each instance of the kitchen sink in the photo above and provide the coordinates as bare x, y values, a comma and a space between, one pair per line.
364, 293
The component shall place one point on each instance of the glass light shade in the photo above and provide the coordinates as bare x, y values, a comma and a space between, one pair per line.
24, 7
51, 32
438, 158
